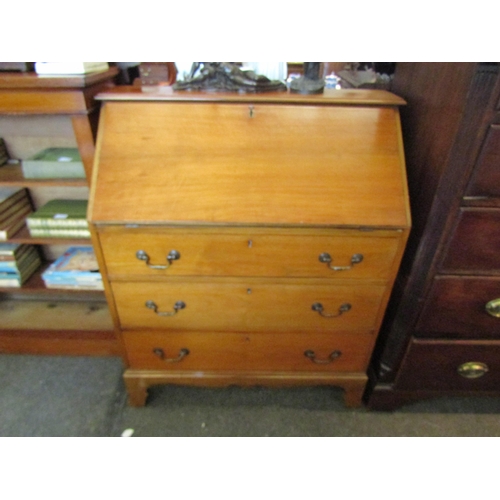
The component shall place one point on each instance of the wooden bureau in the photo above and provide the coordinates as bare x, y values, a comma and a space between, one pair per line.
249, 239
441, 336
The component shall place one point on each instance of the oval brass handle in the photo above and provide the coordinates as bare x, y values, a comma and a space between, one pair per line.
493, 308
320, 310
172, 255
327, 258
473, 369
312, 356
158, 351
177, 306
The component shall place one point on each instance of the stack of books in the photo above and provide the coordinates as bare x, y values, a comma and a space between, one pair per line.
76, 269
62, 163
14, 207
17, 263
60, 219
69, 68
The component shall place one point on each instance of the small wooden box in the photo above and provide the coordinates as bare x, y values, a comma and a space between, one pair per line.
157, 73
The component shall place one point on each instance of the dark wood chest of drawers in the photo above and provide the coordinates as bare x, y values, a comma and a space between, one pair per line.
249, 239
442, 331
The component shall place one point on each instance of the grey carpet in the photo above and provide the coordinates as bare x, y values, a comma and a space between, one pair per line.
59, 396
85, 396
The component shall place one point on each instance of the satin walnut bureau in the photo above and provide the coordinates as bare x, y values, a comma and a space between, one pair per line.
248, 239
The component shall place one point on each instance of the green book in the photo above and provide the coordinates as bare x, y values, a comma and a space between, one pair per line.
54, 163
59, 233
60, 214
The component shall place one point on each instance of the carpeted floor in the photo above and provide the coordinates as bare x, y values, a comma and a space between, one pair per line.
85, 396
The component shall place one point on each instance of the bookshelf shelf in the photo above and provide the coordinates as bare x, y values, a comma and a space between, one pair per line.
35, 113
12, 175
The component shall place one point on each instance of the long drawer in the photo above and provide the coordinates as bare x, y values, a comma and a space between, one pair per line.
235, 351
253, 306
155, 253
461, 307
473, 248
458, 365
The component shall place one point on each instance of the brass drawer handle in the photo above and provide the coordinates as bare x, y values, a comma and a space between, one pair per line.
312, 356
320, 310
177, 306
473, 369
493, 308
161, 354
173, 255
327, 258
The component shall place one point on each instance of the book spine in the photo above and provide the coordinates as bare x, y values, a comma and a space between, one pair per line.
59, 233
97, 286
8, 266
51, 170
7, 233
10, 283
56, 223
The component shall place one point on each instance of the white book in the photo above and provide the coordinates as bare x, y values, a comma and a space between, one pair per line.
69, 68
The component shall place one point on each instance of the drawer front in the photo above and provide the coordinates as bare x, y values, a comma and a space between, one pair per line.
342, 255
486, 178
474, 244
236, 351
462, 307
252, 307
459, 366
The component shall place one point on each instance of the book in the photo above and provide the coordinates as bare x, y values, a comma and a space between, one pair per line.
77, 268
59, 233
17, 265
10, 195
12, 251
60, 214
10, 226
17, 207
16, 279
4, 155
63, 163
69, 68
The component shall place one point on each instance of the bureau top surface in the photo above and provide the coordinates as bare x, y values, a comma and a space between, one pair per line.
362, 97
248, 160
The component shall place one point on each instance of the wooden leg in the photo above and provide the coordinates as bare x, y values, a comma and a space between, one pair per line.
353, 394
137, 390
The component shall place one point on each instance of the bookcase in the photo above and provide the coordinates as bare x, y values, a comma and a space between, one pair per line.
38, 112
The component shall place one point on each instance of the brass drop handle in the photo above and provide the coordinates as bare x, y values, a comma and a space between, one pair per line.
172, 255
158, 351
318, 307
177, 307
493, 308
312, 356
327, 258
473, 369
